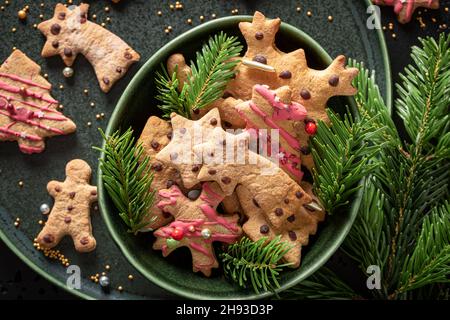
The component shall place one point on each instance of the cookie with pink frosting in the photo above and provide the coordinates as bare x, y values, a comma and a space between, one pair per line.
28, 113
405, 9
197, 225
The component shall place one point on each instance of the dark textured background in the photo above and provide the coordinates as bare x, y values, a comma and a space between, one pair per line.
17, 281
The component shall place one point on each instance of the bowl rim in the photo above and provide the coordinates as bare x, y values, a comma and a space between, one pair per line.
114, 122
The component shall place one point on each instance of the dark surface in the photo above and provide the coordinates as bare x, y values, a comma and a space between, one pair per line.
18, 281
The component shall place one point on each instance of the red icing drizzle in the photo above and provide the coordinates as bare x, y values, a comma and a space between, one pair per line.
26, 81
27, 92
398, 6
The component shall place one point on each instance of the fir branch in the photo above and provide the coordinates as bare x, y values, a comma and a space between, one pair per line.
127, 178
341, 156
210, 74
430, 261
324, 285
256, 263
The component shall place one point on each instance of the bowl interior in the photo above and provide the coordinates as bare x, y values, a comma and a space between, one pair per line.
137, 103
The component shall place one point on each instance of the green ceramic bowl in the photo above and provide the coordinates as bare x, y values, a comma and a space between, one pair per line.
174, 273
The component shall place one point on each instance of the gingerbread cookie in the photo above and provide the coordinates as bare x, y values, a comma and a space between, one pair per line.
197, 225
405, 9
230, 119
28, 113
156, 135
70, 214
268, 65
186, 134
70, 33
275, 110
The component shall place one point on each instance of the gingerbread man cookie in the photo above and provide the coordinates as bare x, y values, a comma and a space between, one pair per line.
405, 9
268, 65
70, 214
70, 33
197, 225
28, 113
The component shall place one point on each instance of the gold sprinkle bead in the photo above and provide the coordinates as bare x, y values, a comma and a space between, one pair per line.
130, 277
384, 28
6, 2
189, 21
16, 224
18, 219
42, 5
159, 13
14, 48
108, 19
41, 222
298, 9
171, 7
89, 124
94, 16
446, 9
103, 24
102, 114
213, 16
21, 184
166, 31
35, 26
13, 30
106, 9
92, 104
97, 116
60, 107
330, 18
22, 14
107, 267
309, 13
69, 1
27, 8
2, 8
202, 18
41, 16
120, 288
103, 273
61, 87
86, 91
394, 36
45, 75
169, 28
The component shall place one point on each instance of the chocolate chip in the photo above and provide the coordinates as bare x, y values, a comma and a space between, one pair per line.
61, 15
93, 193
48, 238
119, 69
334, 80
255, 203
58, 189
170, 183
196, 111
68, 52
286, 74
227, 124
260, 58
259, 35
173, 156
226, 180
299, 194
286, 200
182, 130
84, 241
291, 218
72, 194
83, 18
264, 229
105, 80
279, 212
195, 168
128, 55
55, 29
224, 142
154, 144
67, 219
194, 194
305, 94
226, 94
212, 171
213, 121
169, 135
55, 44
166, 214
292, 235
305, 150
157, 166
70, 208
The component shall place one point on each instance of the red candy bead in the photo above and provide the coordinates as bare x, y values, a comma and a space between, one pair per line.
311, 128
177, 234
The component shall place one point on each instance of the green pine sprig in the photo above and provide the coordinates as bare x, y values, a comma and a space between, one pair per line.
403, 225
257, 263
127, 178
210, 74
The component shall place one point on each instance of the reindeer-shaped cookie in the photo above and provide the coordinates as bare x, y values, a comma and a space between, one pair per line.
69, 33
70, 214
197, 225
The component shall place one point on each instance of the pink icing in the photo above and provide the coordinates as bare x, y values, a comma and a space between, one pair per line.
26, 81
31, 104
294, 111
27, 92
398, 6
171, 195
